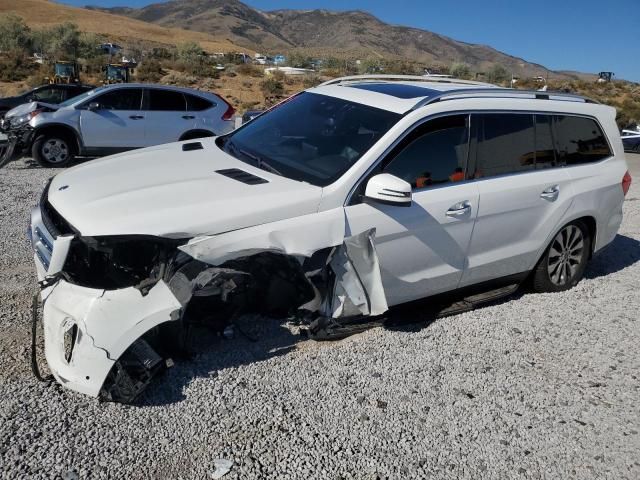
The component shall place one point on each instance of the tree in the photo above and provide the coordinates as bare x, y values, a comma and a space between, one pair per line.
497, 74
63, 40
14, 33
189, 52
460, 70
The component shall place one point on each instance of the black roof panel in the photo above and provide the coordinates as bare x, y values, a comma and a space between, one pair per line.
398, 90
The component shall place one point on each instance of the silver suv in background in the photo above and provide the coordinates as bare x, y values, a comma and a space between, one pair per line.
113, 119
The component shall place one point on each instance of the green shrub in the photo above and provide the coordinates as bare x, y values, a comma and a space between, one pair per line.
149, 71
15, 65
498, 74
249, 70
311, 81
460, 70
14, 33
272, 87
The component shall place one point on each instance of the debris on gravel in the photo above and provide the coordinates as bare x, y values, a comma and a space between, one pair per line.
537, 386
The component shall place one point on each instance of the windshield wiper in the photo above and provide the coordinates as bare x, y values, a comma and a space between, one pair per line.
260, 163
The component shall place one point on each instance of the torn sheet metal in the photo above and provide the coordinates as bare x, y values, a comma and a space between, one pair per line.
358, 287
298, 236
197, 279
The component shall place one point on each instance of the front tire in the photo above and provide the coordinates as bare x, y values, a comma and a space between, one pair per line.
53, 150
565, 260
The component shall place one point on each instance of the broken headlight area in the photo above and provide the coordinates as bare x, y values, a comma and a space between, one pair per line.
111, 263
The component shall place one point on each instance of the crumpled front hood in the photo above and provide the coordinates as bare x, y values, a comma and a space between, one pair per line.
167, 192
29, 107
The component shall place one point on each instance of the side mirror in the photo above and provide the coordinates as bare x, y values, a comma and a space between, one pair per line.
389, 190
93, 106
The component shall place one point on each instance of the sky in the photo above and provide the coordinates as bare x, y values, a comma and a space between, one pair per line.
582, 35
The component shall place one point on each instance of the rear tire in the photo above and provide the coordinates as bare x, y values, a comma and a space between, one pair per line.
53, 150
563, 263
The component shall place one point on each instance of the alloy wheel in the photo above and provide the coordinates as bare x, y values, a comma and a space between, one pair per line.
565, 255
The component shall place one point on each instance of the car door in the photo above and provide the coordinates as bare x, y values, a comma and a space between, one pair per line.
114, 120
422, 249
166, 116
524, 193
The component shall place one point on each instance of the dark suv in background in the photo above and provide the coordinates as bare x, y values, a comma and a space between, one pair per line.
46, 93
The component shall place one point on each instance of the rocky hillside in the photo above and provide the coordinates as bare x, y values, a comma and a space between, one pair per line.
324, 31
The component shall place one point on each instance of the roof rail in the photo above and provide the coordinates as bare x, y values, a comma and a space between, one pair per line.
422, 78
501, 93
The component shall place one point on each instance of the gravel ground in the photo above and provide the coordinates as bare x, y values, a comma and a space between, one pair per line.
538, 386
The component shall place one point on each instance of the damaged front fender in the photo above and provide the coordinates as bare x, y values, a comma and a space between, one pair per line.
355, 270
107, 323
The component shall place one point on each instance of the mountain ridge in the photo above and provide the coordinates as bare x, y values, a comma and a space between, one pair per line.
322, 30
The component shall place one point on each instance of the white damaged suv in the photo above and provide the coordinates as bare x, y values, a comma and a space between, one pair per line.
341, 202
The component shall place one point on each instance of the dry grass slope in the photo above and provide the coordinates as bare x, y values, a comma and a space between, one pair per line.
44, 13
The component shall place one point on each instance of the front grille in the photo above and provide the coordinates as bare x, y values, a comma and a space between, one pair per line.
54, 222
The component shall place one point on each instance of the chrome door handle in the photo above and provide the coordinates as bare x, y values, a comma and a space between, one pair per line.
460, 209
551, 193
136, 117
188, 117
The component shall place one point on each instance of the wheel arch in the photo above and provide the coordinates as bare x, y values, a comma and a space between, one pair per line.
61, 127
588, 219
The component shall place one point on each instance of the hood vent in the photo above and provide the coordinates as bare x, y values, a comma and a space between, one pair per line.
188, 147
242, 176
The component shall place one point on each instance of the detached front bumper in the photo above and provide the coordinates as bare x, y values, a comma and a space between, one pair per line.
86, 330
17, 144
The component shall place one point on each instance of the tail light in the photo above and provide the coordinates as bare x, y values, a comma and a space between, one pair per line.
626, 183
228, 115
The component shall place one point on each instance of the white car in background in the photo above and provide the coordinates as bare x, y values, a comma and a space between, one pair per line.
113, 119
348, 199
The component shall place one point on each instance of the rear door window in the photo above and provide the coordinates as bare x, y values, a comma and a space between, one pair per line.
121, 99
166, 101
505, 144
579, 140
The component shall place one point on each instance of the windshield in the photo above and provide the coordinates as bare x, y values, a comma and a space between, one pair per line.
115, 72
311, 138
64, 70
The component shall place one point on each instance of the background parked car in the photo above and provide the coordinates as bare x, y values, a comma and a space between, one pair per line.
46, 93
113, 119
631, 140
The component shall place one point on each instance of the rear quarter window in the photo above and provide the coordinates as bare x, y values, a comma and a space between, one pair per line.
579, 140
197, 104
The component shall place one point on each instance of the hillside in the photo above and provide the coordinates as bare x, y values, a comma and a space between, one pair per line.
322, 31
43, 13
